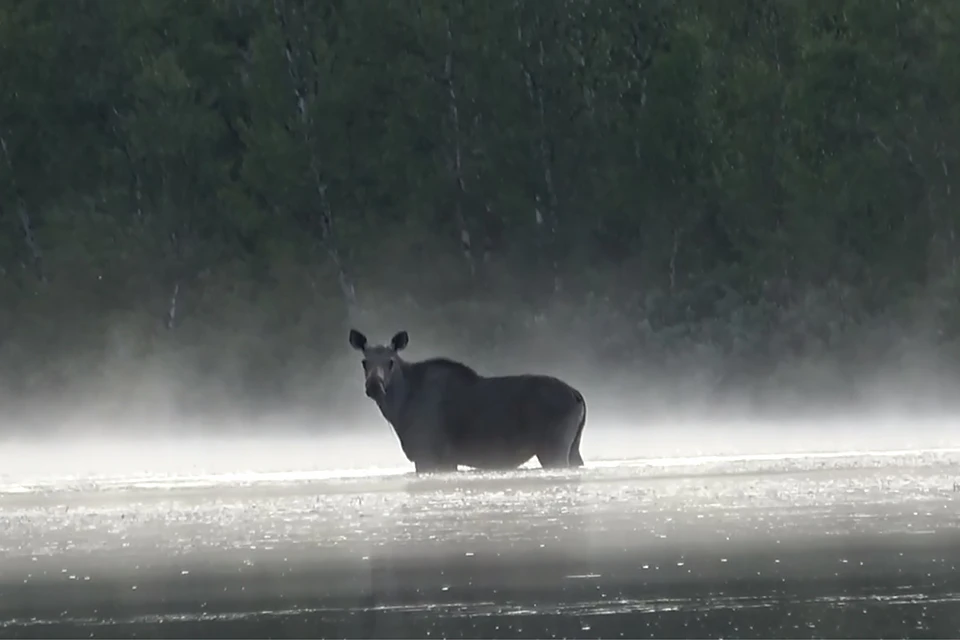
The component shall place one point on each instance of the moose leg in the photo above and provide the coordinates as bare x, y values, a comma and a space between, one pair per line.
575, 459
432, 466
560, 444
554, 459
554, 453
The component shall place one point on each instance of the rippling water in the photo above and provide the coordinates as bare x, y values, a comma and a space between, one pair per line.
683, 546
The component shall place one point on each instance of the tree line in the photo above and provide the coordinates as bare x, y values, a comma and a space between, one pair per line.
234, 182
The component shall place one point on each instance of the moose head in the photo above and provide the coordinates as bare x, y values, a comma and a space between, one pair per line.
381, 363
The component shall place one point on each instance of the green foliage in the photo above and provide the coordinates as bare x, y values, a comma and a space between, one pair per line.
760, 178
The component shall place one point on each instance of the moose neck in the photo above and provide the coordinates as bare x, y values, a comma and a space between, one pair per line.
395, 398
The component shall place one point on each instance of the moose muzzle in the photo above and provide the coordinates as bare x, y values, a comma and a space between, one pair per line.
375, 384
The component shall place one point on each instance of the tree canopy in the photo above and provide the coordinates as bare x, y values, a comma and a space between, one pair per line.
235, 182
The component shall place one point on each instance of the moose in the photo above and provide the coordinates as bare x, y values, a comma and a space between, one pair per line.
446, 415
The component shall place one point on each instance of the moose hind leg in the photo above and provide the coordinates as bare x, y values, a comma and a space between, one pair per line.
555, 459
560, 444
575, 459
555, 452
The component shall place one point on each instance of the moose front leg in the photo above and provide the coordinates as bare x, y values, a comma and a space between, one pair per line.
433, 466
433, 454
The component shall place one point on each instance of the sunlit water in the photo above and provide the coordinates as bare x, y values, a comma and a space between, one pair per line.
596, 470
210, 460
71, 516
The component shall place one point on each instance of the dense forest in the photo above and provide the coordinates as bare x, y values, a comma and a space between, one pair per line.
219, 189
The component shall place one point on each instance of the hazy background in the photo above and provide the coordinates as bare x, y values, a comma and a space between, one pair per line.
732, 226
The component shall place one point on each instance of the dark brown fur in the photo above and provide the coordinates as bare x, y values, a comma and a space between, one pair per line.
445, 414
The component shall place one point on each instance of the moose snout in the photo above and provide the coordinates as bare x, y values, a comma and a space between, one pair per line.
375, 387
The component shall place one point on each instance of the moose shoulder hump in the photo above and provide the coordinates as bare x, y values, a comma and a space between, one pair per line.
452, 367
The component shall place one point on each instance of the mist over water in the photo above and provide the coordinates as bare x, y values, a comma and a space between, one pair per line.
129, 421
368, 445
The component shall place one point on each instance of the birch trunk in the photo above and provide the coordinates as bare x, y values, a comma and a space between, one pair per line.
301, 98
137, 182
172, 310
456, 162
26, 224
545, 213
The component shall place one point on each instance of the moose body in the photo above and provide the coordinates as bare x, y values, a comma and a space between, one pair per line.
445, 414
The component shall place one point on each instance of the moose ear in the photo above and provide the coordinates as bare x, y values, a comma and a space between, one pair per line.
399, 341
357, 340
